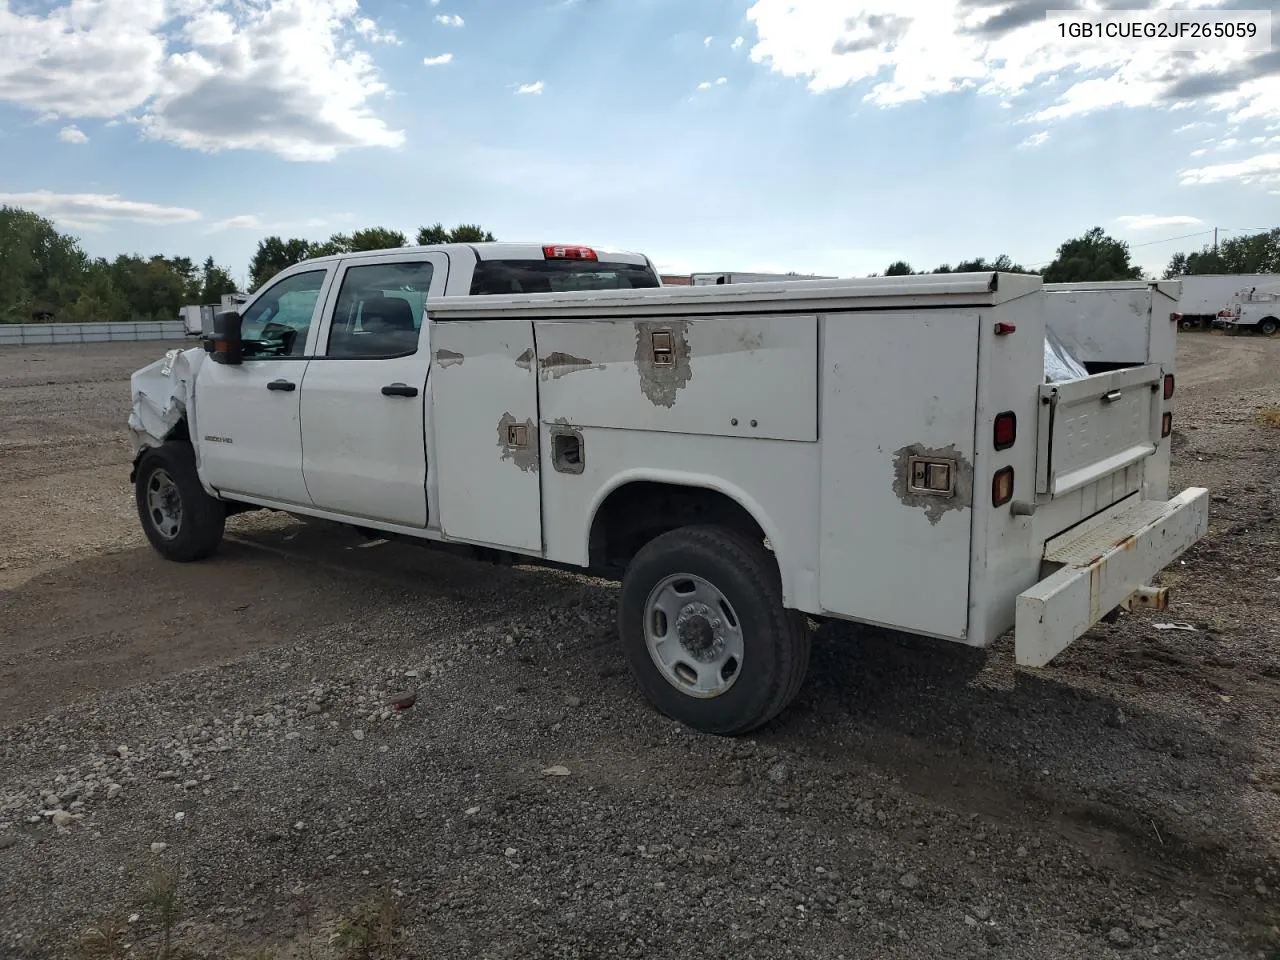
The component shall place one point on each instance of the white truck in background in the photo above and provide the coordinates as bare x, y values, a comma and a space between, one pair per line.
744, 458
197, 318
1256, 311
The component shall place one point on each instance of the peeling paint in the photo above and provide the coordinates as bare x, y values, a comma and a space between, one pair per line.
525, 360
525, 457
557, 365
934, 506
661, 383
448, 358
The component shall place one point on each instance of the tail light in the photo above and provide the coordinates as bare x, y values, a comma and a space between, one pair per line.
1004, 329
1002, 487
1166, 424
1168, 385
554, 252
1005, 431
1175, 317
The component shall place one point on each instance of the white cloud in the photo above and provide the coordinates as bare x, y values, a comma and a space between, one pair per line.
1228, 143
284, 76
706, 41
534, 88
897, 51
369, 29
1199, 152
450, 19
1151, 221
1197, 125
1036, 139
245, 221
72, 134
96, 211
1264, 169
737, 43
708, 84
437, 61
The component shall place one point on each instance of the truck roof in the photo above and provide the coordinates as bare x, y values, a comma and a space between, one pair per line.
490, 250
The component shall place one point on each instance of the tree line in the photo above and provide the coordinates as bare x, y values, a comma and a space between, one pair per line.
45, 275
1095, 256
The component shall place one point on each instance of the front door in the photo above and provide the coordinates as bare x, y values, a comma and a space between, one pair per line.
364, 394
246, 418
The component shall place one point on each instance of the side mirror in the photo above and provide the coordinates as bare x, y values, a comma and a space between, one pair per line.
223, 345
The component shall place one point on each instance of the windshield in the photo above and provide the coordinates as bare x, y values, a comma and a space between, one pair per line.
496, 277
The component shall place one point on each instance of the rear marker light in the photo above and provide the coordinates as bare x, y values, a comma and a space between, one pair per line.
1166, 425
554, 252
1175, 317
1006, 430
1168, 385
1004, 329
1002, 487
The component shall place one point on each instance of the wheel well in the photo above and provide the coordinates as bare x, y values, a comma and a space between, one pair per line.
178, 433
635, 513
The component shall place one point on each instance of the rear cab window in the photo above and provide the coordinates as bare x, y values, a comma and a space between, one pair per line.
498, 277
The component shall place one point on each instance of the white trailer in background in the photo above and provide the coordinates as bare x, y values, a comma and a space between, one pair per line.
1206, 295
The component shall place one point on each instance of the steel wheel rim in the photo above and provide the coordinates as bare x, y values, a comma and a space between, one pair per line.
693, 635
164, 504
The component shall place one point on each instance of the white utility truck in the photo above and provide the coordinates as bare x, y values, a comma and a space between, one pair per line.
744, 458
1255, 311
1204, 295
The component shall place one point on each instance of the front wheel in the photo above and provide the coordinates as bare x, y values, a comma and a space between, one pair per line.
705, 631
180, 519
1269, 326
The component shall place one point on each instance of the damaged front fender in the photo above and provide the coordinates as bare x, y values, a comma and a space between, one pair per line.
161, 394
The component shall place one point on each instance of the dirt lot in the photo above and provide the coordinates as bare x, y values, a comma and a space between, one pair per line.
224, 725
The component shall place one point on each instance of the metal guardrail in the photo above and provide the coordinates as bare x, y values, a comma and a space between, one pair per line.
43, 334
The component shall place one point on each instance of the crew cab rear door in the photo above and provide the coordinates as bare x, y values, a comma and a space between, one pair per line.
364, 394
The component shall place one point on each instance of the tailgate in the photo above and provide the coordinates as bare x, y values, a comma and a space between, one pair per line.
1094, 426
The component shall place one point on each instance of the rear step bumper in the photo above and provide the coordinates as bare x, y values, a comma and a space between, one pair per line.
1103, 568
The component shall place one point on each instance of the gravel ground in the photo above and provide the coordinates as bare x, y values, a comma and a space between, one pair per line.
244, 726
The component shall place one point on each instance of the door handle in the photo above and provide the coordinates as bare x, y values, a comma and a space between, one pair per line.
285, 385
399, 390
1111, 397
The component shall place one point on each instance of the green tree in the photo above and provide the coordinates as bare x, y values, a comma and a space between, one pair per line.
40, 268
1094, 256
899, 268
378, 238
1252, 253
462, 233
215, 281
273, 255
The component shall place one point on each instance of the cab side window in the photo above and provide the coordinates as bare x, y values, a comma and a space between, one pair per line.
277, 323
379, 311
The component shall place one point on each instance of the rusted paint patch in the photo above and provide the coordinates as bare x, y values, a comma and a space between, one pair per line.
934, 507
557, 365
525, 457
525, 360
448, 358
661, 383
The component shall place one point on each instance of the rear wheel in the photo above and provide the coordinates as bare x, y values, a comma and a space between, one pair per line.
1269, 326
705, 631
181, 521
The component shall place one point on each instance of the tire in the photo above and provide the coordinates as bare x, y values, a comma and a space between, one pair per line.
1186, 324
180, 519
1268, 326
763, 646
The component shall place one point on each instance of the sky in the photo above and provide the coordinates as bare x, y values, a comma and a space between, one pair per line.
820, 136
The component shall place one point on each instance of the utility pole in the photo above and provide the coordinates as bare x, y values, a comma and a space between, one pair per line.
1215, 239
